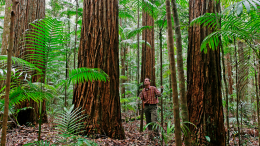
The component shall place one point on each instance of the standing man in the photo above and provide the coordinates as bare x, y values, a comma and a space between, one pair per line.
149, 97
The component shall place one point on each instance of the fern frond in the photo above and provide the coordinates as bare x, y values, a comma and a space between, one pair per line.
69, 122
83, 74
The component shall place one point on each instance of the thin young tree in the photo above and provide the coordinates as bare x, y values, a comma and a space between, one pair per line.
99, 47
8, 77
183, 97
257, 98
176, 110
237, 93
204, 81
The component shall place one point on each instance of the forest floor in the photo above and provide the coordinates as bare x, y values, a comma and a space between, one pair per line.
22, 135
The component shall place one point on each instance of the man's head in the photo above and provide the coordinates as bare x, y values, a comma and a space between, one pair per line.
147, 81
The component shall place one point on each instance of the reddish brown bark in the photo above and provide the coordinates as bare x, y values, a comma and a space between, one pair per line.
204, 82
230, 74
27, 12
148, 62
99, 48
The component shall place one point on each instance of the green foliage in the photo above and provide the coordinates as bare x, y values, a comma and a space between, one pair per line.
70, 122
129, 103
232, 27
32, 91
239, 6
168, 133
38, 143
87, 74
16, 62
46, 40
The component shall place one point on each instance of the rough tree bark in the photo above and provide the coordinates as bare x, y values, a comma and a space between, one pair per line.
148, 62
27, 12
99, 46
176, 110
204, 82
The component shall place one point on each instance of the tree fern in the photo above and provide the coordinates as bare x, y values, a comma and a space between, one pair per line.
30, 91
69, 122
231, 26
46, 40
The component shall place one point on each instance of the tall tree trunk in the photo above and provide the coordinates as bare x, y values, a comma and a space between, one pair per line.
170, 80
161, 75
176, 110
184, 107
258, 106
26, 12
204, 82
226, 94
138, 57
237, 92
230, 74
76, 29
148, 62
8, 77
257, 99
99, 46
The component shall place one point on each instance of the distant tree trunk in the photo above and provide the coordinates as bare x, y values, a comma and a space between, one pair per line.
226, 93
76, 35
237, 93
257, 100
230, 74
148, 36
176, 110
26, 12
99, 46
204, 82
6, 30
184, 107
138, 57
123, 69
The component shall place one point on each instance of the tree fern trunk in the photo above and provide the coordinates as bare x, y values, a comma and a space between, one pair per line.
99, 46
27, 12
204, 82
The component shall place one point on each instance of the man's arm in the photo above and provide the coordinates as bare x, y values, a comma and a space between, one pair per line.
157, 92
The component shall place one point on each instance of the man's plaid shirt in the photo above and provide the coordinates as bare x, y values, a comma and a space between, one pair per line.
148, 96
